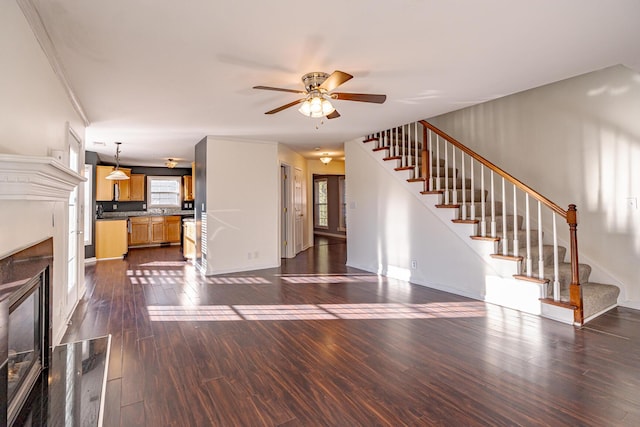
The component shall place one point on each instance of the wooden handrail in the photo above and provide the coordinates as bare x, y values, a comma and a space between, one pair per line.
551, 205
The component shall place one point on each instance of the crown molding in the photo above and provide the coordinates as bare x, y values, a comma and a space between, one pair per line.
35, 178
42, 35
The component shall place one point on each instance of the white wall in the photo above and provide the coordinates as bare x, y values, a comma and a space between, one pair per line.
242, 205
388, 227
34, 112
575, 141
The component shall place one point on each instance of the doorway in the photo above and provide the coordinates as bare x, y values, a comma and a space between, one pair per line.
329, 206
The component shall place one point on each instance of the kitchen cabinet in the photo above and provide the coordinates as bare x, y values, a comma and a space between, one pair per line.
139, 231
104, 187
189, 240
172, 228
136, 187
124, 186
187, 187
157, 229
150, 230
111, 238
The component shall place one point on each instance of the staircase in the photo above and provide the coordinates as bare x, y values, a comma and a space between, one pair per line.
523, 230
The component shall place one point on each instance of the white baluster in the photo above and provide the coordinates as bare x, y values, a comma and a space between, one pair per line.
516, 243
418, 153
493, 207
540, 243
453, 178
473, 190
483, 201
429, 137
446, 173
409, 156
556, 268
529, 262
403, 162
464, 188
505, 241
438, 183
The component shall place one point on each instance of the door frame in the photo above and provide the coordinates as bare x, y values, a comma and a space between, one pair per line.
286, 217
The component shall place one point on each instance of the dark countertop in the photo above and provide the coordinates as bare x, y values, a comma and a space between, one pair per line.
154, 212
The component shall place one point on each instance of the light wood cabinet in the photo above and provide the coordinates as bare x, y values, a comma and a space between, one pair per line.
172, 228
111, 238
104, 187
147, 230
187, 187
124, 185
157, 229
136, 187
139, 231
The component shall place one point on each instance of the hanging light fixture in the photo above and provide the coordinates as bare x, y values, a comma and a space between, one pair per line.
171, 163
117, 174
325, 159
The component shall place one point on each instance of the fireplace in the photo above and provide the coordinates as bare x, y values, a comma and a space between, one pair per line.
24, 324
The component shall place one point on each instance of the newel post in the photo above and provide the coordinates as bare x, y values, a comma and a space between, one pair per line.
425, 158
575, 290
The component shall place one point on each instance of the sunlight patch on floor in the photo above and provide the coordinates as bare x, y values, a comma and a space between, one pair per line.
367, 311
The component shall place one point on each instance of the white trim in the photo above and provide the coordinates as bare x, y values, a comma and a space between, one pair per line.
35, 178
42, 35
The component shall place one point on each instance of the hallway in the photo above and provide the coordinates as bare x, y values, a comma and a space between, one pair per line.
317, 343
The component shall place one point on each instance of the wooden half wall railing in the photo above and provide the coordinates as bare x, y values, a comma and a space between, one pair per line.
448, 167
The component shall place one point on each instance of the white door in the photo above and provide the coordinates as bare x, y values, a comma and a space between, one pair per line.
73, 242
298, 203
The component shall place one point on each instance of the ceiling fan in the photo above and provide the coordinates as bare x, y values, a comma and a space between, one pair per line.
316, 101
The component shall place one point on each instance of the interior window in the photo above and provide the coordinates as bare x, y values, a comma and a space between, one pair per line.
321, 216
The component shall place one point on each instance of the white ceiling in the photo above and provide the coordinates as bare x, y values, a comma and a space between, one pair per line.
159, 75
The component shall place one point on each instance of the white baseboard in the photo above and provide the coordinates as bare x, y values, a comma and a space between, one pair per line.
630, 304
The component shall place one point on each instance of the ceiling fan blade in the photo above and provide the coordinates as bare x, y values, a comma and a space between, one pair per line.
334, 80
333, 115
284, 107
279, 89
362, 97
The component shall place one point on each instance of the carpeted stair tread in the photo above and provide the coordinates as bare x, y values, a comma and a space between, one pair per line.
595, 297
564, 274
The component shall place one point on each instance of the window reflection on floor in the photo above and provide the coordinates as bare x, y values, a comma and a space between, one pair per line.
365, 311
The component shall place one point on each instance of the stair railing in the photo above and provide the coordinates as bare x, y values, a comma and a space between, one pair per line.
448, 167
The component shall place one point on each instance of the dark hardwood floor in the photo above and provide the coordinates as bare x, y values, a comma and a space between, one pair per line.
315, 343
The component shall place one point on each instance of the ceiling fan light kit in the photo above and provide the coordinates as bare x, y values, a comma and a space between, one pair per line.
319, 86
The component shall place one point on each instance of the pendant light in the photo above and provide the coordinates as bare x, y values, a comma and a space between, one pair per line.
117, 174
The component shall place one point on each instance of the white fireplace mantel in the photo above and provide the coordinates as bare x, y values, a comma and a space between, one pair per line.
35, 178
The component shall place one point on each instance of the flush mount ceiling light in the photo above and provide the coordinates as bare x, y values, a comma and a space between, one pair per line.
325, 159
171, 163
117, 174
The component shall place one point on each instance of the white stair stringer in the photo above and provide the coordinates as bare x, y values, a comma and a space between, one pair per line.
500, 287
